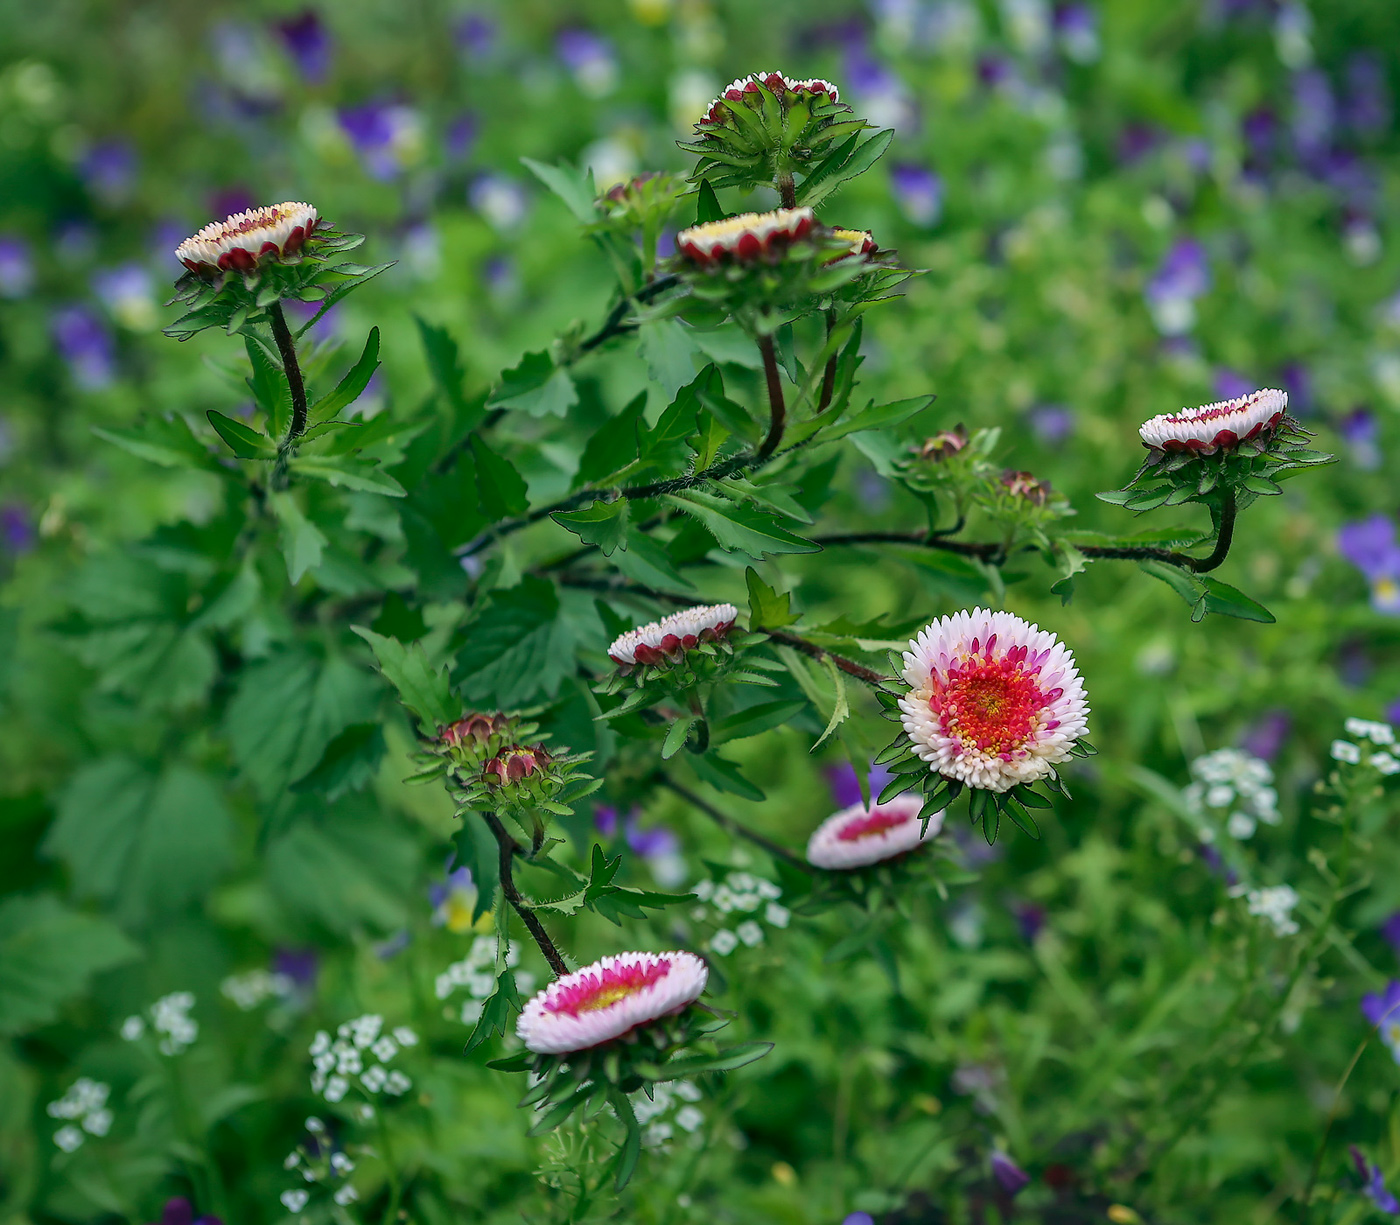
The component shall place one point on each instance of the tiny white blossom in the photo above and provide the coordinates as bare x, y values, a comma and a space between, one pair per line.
374, 1078
724, 942
295, 1201
750, 933
1345, 751
364, 1112
777, 915
133, 1028
686, 1091
350, 1063
341, 1163
689, 1118
1221, 795
472, 1010
320, 1043
98, 1122
525, 982
405, 1036
1385, 763
315, 1126
767, 889
292, 1160
397, 1084
657, 1134
1369, 729
1276, 905
68, 1138
1241, 825
385, 1049
704, 890
723, 899
336, 1088
346, 1195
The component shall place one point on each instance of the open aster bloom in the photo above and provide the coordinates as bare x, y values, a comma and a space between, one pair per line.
610, 998
775, 82
271, 233
857, 837
671, 636
994, 701
862, 242
746, 238
1216, 427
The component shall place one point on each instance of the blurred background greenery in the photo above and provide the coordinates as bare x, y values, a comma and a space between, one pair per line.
1120, 209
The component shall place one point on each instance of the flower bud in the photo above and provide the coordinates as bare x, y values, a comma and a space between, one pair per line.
1025, 485
943, 445
516, 763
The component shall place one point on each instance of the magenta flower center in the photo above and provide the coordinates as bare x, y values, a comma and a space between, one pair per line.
872, 824
991, 704
606, 988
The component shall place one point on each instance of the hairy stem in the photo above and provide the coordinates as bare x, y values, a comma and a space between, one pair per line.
614, 324
819, 653
777, 407
286, 346
1228, 509
726, 822
829, 374
787, 189
509, 848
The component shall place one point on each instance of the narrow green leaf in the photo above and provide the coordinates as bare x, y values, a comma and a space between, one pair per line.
244, 441
1231, 602
740, 528
348, 390
676, 734
302, 541
574, 187
707, 206
347, 474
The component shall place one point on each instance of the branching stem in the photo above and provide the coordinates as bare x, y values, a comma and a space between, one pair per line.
287, 347
820, 653
726, 822
509, 848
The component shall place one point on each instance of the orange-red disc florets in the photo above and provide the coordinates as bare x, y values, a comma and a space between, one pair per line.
992, 703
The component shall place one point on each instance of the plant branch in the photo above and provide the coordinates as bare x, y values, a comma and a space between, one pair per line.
820, 653
509, 848
777, 408
286, 346
614, 324
726, 822
829, 374
988, 550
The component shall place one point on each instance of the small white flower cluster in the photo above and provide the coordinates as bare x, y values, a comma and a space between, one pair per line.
1381, 737
84, 1104
477, 973
665, 1095
1231, 779
249, 990
170, 1017
336, 1062
1276, 905
320, 1164
746, 894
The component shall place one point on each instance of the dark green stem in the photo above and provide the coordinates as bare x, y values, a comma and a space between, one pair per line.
508, 850
777, 407
286, 346
829, 374
813, 651
728, 823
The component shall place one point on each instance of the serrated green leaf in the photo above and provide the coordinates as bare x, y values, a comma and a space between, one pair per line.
766, 607
349, 389
603, 524
740, 528
501, 487
170, 443
754, 720
536, 386
574, 187
347, 474
676, 734
244, 441
1231, 602
302, 541
425, 690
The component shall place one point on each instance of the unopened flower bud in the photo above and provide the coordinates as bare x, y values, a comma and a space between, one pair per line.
943, 445
516, 763
1025, 485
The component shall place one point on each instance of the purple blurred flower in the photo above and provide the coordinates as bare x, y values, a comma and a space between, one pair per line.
84, 342
1009, 1176
845, 786
299, 964
1370, 546
858, 1218
128, 293
881, 95
1030, 918
1361, 434
386, 135
1296, 379
1052, 424
308, 42
1136, 141
1216, 863
1353, 180
388, 949
605, 820
1260, 130
109, 171
1373, 1183
1181, 278
16, 267
1314, 113
1230, 384
16, 529
229, 200
1367, 105
179, 1211
658, 846
1383, 1009
918, 191
1265, 737
460, 138
1390, 929
476, 35
589, 59
1077, 30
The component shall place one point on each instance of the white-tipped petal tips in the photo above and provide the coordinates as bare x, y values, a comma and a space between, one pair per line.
1219, 426
857, 837
240, 242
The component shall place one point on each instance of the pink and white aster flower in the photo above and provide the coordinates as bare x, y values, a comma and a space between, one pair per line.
1215, 427
857, 837
994, 701
775, 82
610, 998
246, 239
670, 637
746, 238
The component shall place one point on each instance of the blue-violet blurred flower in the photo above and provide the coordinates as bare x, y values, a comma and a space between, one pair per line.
1077, 31
1383, 1011
1373, 1183
16, 267
1009, 1176
918, 191
453, 901
589, 59
1314, 113
500, 200
1367, 106
387, 136
1052, 424
16, 529
179, 1211
85, 344
1390, 929
1265, 737
460, 137
476, 35
308, 42
109, 171
1361, 434
1181, 278
128, 293
1231, 384
845, 786
1370, 546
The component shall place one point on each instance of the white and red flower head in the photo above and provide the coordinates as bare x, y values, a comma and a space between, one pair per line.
668, 638
608, 999
1215, 427
241, 242
862, 242
857, 837
994, 701
746, 238
775, 82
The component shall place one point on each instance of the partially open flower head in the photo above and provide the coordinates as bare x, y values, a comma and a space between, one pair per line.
515, 764
768, 125
942, 446
857, 837
666, 642
1026, 485
1218, 427
274, 233
994, 702
748, 238
475, 738
610, 998
858, 242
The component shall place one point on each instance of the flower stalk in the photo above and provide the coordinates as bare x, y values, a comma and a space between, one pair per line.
509, 848
287, 348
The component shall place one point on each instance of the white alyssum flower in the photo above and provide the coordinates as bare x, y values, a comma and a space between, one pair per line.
68, 1138
1219, 426
240, 242
346, 1195
1232, 778
671, 636
994, 701
1346, 752
1275, 904
397, 1084
250, 989
295, 1201
1369, 729
336, 1088
723, 942
170, 1015
609, 998
776, 915
1385, 763
857, 837
85, 1105
132, 1028
750, 933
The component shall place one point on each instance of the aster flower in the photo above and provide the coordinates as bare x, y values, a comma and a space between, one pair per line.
274, 233
857, 837
666, 640
610, 998
745, 88
745, 239
994, 702
1221, 426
